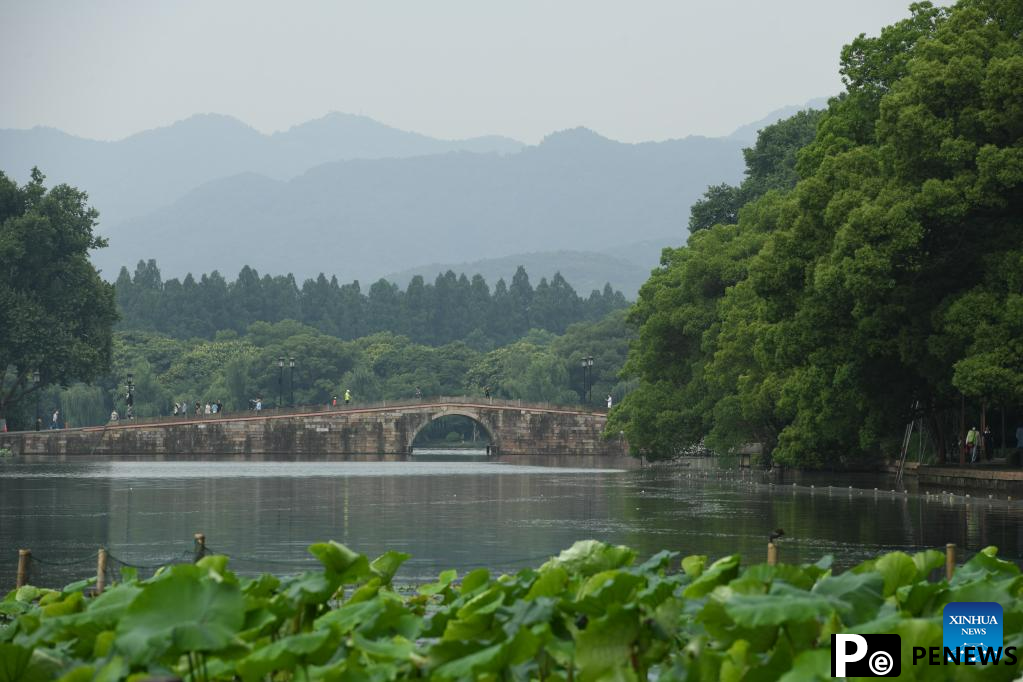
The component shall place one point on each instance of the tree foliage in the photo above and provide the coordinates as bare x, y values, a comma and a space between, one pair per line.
770, 165
886, 278
56, 313
451, 308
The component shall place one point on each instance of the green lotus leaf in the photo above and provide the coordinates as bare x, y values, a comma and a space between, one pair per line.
18, 664
396, 649
349, 616
443, 581
313, 587
860, 594
982, 564
83, 673
587, 557
898, 569
550, 583
178, 614
693, 565
659, 562
781, 605
928, 561
483, 603
387, 564
813, 665
368, 590
287, 653
474, 580
719, 573
349, 565
606, 643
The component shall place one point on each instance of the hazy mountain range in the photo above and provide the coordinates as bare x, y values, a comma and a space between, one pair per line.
349, 196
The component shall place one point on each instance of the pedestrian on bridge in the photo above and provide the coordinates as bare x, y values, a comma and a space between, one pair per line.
348, 396
972, 436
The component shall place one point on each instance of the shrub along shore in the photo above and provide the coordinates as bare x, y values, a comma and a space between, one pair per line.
591, 613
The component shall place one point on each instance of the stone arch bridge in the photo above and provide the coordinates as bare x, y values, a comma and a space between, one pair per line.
380, 429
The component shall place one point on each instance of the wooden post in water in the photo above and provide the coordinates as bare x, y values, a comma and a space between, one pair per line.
772, 554
950, 560
24, 556
101, 569
200, 546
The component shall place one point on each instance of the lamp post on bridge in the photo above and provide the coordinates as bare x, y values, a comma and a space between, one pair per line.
291, 366
35, 383
280, 382
587, 365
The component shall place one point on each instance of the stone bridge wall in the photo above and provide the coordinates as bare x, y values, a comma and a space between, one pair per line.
369, 431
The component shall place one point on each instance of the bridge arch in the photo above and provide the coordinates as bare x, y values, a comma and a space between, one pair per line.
471, 415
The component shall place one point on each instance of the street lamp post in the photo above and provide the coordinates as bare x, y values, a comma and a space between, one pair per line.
35, 382
291, 366
587, 365
129, 399
280, 382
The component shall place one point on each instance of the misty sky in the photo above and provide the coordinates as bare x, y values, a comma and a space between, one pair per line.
643, 70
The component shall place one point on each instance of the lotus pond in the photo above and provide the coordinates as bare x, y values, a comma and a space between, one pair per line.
591, 613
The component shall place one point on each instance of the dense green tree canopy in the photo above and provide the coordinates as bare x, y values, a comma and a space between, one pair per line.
887, 278
770, 165
233, 368
451, 308
56, 313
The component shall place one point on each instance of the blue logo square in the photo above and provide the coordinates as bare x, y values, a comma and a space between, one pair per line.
973, 627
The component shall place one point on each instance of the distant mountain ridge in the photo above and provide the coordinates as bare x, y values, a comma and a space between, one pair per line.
361, 218
345, 194
148, 170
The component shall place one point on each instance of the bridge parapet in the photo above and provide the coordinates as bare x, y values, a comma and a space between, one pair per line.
383, 428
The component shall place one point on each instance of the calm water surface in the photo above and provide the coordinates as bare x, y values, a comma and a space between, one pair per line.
460, 514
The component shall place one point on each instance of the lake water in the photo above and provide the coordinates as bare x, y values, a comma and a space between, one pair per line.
460, 514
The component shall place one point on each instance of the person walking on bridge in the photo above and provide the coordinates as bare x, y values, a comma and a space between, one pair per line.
972, 436
348, 396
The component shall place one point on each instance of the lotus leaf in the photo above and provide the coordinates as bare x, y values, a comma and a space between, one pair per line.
720, 572
178, 614
387, 564
336, 558
605, 645
897, 568
858, 595
17, 664
781, 605
286, 654
587, 557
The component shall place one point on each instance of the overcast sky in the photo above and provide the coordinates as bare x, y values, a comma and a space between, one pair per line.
638, 70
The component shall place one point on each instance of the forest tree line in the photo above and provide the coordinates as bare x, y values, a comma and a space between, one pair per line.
867, 273
234, 368
452, 308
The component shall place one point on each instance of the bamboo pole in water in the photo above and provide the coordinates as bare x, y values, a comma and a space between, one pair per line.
950, 560
24, 556
101, 569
